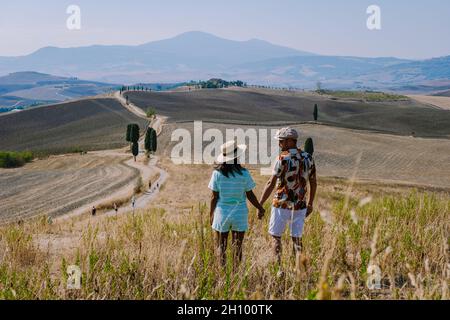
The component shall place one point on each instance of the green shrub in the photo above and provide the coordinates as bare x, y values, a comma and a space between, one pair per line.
151, 112
14, 159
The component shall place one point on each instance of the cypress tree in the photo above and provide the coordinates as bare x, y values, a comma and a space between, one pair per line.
154, 140
148, 140
128, 135
135, 150
309, 146
134, 133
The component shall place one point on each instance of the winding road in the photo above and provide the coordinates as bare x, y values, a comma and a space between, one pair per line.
146, 171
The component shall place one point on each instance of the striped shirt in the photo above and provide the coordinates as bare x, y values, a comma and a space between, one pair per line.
232, 190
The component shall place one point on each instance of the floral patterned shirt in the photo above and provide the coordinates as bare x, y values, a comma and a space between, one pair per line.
293, 169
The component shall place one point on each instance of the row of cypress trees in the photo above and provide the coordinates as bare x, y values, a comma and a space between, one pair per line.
133, 134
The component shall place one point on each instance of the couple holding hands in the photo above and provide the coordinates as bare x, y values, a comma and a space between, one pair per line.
232, 185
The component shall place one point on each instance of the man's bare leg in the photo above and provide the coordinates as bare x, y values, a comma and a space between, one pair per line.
277, 248
297, 246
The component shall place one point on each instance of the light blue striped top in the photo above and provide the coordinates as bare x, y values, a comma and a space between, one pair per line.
232, 190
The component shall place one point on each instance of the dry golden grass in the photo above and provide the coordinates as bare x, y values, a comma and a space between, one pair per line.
168, 251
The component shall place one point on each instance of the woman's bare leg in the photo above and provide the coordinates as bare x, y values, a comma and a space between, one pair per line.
238, 239
222, 239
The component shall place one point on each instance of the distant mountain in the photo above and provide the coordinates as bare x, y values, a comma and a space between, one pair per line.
28, 78
187, 53
23, 89
431, 73
200, 56
443, 94
332, 71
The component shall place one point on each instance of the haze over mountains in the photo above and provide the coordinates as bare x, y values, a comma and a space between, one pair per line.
200, 56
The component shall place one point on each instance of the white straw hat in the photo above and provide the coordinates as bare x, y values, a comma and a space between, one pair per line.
230, 151
286, 133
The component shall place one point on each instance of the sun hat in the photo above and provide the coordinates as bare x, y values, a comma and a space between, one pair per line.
230, 151
286, 133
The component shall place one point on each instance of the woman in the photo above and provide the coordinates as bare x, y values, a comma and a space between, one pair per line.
231, 186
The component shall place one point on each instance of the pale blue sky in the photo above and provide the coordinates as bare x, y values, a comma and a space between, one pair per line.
410, 29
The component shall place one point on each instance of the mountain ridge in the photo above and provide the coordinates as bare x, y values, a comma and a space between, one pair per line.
197, 55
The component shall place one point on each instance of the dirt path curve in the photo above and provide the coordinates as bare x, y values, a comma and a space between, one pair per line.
60, 243
146, 171
143, 201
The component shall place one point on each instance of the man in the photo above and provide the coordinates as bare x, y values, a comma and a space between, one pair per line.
292, 171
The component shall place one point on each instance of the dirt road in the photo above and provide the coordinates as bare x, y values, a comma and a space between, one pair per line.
70, 185
147, 171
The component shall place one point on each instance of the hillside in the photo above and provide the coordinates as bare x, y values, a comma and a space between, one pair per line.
443, 94
93, 124
248, 106
20, 90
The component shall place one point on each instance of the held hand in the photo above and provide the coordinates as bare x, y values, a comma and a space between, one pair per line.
261, 213
310, 210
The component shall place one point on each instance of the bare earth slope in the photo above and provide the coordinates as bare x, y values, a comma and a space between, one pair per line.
91, 124
60, 184
269, 107
385, 158
442, 102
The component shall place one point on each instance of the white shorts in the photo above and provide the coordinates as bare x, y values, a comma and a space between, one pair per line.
280, 217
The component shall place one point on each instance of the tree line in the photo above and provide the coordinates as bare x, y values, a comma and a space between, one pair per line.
134, 88
216, 84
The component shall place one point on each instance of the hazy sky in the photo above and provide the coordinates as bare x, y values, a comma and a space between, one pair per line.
410, 29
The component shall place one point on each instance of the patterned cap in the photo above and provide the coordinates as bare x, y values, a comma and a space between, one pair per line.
286, 133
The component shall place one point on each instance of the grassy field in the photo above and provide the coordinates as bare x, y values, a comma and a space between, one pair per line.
390, 209
251, 106
82, 125
167, 251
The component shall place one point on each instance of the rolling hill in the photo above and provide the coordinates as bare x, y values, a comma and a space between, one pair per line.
93, 124
443, 94
23, 89
270, 107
